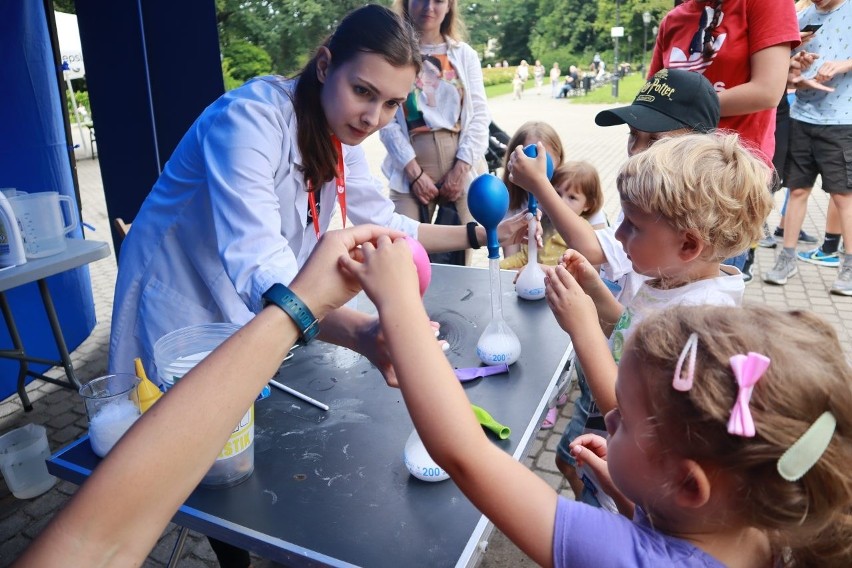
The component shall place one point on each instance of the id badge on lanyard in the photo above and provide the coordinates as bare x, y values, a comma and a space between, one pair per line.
340, 181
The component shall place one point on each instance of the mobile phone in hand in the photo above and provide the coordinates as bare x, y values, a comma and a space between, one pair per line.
811, 28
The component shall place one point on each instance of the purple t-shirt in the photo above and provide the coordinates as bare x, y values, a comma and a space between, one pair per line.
588, 536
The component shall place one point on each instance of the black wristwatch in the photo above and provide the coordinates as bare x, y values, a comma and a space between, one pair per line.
293, 306
471, 235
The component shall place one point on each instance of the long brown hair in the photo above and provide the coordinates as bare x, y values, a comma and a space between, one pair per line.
370, 29
540, 132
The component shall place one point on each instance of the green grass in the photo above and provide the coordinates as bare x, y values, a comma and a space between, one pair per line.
627, 89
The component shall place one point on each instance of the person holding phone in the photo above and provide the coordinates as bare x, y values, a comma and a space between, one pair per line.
821, 136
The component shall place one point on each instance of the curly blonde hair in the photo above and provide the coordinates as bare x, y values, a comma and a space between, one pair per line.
708, 184
809, 521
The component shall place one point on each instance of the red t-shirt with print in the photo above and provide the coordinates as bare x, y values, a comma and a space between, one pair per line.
745, 27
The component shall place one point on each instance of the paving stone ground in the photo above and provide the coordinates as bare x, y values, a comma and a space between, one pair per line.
63, 414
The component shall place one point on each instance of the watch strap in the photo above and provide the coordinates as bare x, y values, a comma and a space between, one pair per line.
293, 306
471, 235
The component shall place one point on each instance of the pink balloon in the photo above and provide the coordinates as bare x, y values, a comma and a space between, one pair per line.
421, 261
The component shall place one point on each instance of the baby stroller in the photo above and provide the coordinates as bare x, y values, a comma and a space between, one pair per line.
497, 140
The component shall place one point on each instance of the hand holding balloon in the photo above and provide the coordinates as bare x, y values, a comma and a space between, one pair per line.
421, 262
532, 152
530, 172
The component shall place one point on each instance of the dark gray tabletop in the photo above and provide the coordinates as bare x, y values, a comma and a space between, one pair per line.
330, 488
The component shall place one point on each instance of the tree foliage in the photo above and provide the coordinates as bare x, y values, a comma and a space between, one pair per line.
568, 30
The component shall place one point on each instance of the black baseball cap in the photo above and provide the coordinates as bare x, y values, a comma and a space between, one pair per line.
672, 99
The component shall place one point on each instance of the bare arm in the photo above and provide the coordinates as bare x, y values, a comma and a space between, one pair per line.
95, 528
764, 89
440, 238
520, 503
577, 314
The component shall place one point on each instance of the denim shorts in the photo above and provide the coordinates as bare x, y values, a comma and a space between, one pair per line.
576, 427
578, 418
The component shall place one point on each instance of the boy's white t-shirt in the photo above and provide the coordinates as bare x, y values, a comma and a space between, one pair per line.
641, 299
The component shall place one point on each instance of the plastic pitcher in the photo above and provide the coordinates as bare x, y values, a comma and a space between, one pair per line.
174, 355
23, 456
42, 225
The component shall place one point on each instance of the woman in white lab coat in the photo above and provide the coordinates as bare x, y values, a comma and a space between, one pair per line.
233, 213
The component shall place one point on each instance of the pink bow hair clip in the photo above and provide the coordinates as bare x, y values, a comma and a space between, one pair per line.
748, 369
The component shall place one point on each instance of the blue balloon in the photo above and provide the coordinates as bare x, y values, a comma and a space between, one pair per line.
532, 152
488, 201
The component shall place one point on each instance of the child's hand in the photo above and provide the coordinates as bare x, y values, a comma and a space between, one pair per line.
590, 451
595, 453
583, 272
515, 229
574, 310
386, 271
529, 173
319, 284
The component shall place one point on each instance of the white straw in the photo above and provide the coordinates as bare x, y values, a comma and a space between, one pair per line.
297, 394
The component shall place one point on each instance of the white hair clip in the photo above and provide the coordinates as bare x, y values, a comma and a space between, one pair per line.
806, 451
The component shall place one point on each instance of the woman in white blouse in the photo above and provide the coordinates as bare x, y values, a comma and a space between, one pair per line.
434, 152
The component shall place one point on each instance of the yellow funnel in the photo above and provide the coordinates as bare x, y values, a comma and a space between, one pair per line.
147, 391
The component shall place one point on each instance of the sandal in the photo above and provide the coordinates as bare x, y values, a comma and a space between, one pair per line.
562, 400
550, 419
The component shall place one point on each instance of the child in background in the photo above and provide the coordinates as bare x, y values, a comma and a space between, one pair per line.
704, 496
579, 186
530, 132
688, 203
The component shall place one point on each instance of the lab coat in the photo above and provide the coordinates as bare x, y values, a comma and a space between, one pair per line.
226, 220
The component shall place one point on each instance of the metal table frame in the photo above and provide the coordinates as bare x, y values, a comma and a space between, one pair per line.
78, 253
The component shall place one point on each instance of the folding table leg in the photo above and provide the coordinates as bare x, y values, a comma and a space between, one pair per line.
18, 351
57, 333
178, 549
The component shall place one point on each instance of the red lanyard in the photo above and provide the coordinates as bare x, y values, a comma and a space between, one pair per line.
341, 189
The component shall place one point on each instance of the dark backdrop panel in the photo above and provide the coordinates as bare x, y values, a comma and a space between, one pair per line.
34, 157
151, 68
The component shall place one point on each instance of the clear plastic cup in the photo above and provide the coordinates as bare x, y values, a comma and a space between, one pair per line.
112, 405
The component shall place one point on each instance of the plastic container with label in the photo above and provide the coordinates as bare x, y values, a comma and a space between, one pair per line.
174, 355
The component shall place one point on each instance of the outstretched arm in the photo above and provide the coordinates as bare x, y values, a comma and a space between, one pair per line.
565, 296
520, 503
95, 529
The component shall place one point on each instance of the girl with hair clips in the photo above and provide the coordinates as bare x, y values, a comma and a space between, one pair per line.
721, 451
436, 150
743, 48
